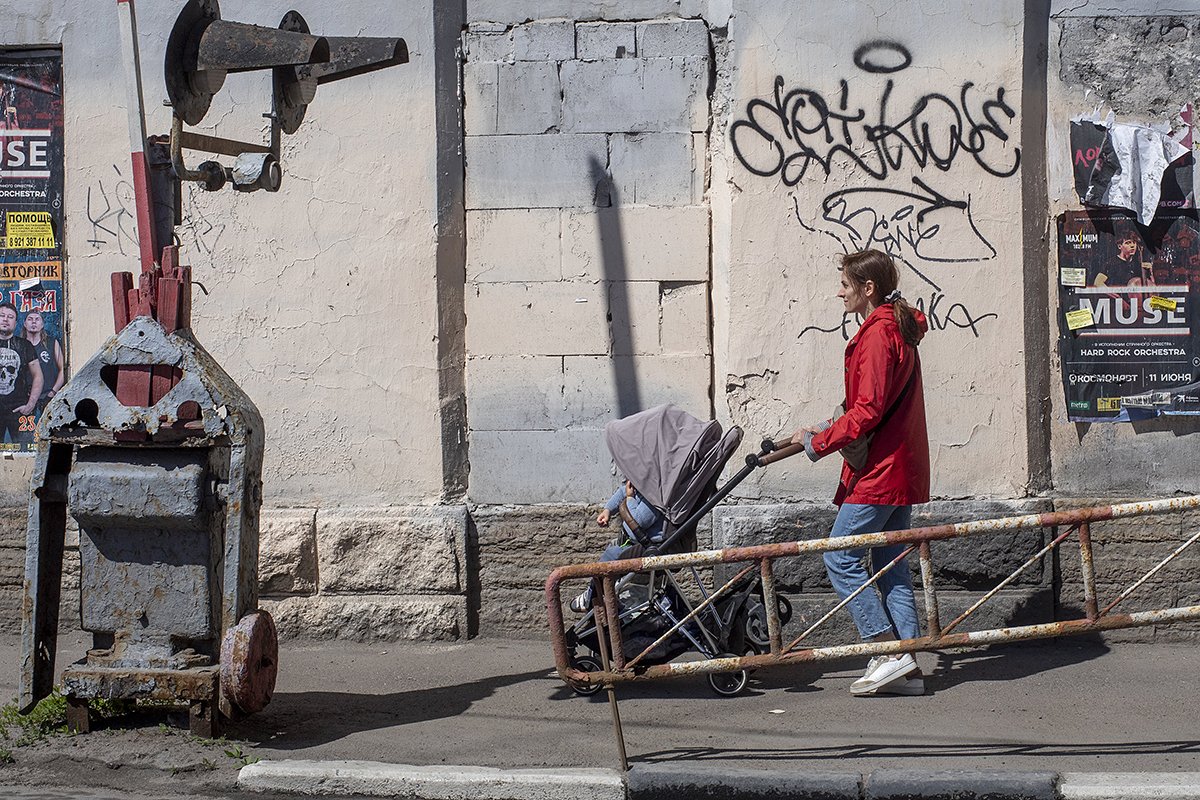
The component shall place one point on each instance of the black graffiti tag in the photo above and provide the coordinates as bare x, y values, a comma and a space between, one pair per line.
922, 225
939, 314
799, 129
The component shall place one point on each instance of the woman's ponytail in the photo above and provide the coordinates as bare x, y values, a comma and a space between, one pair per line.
906, 318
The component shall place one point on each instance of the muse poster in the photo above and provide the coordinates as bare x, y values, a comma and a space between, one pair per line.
1127, 315
32, 303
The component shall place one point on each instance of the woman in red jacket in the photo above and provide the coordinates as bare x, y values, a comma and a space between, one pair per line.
885, 400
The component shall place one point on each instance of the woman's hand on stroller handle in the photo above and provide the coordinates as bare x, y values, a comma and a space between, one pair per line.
779, 449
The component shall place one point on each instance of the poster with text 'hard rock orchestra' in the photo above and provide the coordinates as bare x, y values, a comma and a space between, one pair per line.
32, 305
1127, 315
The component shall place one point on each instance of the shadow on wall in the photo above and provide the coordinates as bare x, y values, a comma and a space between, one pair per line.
612, 252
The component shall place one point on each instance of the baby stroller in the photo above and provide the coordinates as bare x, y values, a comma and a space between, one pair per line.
675, 460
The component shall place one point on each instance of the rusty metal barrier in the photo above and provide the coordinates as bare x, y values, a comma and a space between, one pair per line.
618, 669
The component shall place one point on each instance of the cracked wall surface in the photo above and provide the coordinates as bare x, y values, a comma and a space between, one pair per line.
858, 128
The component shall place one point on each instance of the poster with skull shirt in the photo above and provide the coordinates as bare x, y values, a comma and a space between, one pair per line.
31, 246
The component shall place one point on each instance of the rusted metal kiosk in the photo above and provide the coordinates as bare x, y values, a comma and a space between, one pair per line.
152, 448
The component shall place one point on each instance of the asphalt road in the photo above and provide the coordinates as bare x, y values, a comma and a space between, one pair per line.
1071, 706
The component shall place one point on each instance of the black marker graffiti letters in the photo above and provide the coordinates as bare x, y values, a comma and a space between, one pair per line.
940, 313
954, 315
881, 56
797, 131
799, 128
110, 210
924, 224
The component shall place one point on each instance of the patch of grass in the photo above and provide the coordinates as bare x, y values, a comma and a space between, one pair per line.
235, 752
48, 718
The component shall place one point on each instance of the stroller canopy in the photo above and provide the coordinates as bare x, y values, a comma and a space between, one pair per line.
668, 455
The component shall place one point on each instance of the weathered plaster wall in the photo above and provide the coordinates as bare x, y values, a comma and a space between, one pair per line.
937, 184
324, 300
640, 217
1140, 62
322, 296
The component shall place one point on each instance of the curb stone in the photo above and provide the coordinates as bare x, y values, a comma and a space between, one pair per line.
373, 779
692, 782
701, 782
899, 784
1130, 785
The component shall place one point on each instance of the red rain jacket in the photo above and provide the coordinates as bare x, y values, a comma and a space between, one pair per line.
878, 365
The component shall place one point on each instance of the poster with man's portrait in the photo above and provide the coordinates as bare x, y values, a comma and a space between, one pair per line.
32, 303
1127, 314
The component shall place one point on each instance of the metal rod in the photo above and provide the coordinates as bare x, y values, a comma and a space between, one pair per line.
850, 597
148, 246
932, 619
613, 610
691, 615
1012, 577
969, 639
181, 170
1149, 574
1088, 570
771, 605
608, 684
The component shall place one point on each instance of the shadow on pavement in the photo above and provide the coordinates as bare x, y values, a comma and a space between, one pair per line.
1012, 662
287, 723
1000, 663
909, 751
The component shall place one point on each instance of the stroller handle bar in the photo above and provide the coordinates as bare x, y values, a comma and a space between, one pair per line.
769, 453
773, 451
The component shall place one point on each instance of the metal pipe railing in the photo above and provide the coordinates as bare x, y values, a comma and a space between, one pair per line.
762, 556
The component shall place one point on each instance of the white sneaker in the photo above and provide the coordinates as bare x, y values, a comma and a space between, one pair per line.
882, 670
582, 603
908, 687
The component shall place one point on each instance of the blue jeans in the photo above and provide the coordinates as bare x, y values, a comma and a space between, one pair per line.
896, 612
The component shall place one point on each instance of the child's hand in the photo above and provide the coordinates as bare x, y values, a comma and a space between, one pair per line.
602, 518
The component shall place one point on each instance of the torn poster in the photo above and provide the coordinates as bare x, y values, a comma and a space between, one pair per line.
1132, 166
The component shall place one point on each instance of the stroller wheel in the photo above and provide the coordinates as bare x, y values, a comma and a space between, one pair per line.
728, 684
586, 664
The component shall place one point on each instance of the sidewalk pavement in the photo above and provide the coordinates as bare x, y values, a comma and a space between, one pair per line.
1068, 719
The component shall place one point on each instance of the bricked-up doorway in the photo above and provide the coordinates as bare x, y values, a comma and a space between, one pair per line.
588, 269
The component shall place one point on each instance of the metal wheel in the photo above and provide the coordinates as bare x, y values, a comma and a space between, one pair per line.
728, 684
250, 662
586, 664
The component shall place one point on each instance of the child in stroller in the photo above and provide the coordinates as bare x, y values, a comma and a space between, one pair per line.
641, 524
674, 460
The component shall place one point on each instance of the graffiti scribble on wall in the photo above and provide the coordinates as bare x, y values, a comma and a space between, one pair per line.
799, 133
